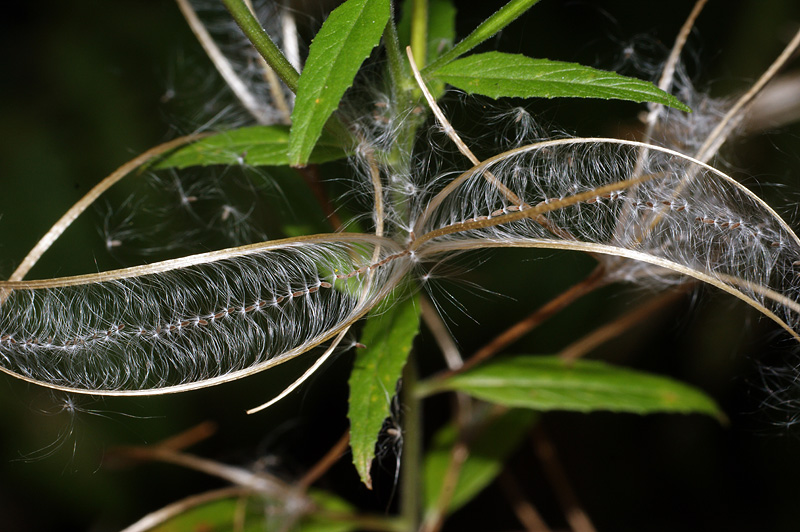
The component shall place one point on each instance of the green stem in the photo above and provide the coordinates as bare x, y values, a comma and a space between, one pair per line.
419, 31
275, 58
395, 57
412, 449
502, 18
262, 43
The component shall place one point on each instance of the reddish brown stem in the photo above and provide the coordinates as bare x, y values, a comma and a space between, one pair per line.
435, 520
524, 510
523, 327
326, 462
576, 517
621, 324
310, 175
189, 437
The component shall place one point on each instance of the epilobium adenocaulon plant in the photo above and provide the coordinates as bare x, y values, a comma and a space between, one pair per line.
651, 211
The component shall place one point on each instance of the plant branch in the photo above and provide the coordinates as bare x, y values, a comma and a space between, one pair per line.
621, 324
262, 43
258, 482
160, 516
668, 72
666, 80
435, 519
290, 37
576, 516
324, 464
221, 63
448, 347
525, 511
310, 174
392, 43
776, 106
734, 116
304, 377
189, 437
448, 129
518, 330
278, 97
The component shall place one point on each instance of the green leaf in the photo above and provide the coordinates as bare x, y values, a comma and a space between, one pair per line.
496, 74
388, 336
254, 513
345, 40
254, 146
489, 27
551, 383
487, 454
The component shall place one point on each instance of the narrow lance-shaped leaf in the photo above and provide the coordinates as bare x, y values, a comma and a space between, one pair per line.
345, 40
489, 27
487, 454
388, 336
253, 146
497, 74
551, 383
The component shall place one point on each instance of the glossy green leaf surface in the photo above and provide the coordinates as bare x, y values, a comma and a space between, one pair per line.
345, 40
497, 74
487, 453
550, 383
253, 146
388, 337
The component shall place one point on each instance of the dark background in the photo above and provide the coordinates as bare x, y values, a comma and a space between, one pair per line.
86, 85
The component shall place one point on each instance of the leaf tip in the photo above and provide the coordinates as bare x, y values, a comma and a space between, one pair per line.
364, 473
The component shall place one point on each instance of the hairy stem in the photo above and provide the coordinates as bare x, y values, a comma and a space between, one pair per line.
392, 43
273, 82
221, 63
262, 43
